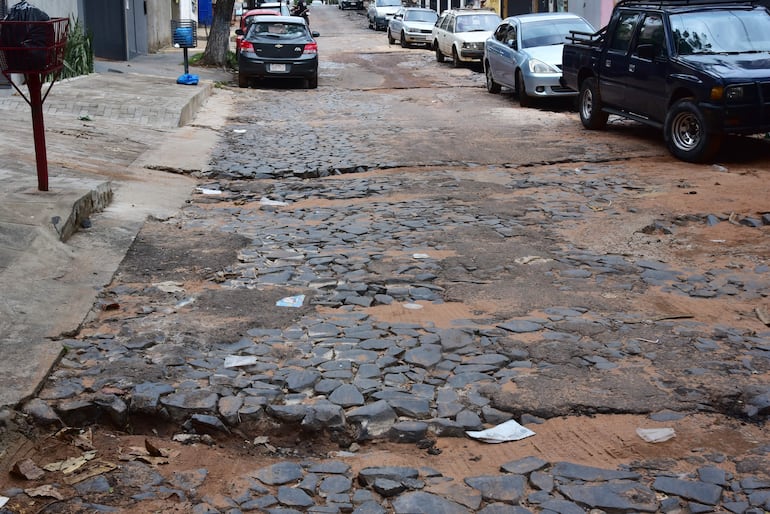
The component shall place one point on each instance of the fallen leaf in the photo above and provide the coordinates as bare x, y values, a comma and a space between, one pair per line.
152, 450
137, 453
99, 469
763, 315
66, 433
44, 490
28, 470
72, 464
169, 286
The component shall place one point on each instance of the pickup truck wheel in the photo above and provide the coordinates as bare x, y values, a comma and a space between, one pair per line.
439, 55
492, 86
686, 133
590, 106
390, 38
521, 91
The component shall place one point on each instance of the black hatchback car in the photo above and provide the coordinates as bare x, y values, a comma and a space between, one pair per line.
278, 47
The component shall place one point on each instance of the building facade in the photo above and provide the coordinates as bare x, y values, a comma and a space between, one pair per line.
121, 29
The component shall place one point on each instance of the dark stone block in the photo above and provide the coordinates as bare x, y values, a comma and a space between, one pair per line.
590, 474
502, 488
700, 492
624, 496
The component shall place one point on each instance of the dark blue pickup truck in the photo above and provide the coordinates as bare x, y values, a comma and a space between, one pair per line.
698, 69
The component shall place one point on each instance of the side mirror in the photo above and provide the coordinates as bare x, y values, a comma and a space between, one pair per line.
315, 33
645, 52
238, 32
512, 44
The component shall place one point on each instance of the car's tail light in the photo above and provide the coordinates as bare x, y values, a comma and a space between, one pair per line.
246, 46
311, 48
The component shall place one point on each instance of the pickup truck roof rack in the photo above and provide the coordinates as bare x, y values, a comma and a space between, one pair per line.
679, 3
587, 38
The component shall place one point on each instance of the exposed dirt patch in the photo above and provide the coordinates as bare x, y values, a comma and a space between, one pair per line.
603, 441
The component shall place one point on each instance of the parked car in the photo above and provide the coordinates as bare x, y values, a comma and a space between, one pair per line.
524, 54
412, 25
697, 70
246, 19
380, 12
350, 4
460, 34
281, 8
278, 47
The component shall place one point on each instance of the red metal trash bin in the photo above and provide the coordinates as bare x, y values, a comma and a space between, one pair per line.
34, 49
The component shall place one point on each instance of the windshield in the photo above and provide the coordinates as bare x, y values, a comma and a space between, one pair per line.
550, 32
276, 30
388, 3
428, 16
721, 31
477, 23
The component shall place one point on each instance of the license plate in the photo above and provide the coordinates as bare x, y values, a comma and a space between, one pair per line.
278, 68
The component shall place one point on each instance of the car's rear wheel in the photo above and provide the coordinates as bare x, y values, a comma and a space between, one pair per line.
439, 55
390, 38
404, 42
243, 80
687, 135
521, 90
312, 82
456, 62
590, 106
492, 86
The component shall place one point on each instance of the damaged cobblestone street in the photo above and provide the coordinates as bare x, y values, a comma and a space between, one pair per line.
368, 271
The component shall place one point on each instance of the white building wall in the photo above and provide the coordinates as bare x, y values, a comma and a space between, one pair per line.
597, 12
55, 8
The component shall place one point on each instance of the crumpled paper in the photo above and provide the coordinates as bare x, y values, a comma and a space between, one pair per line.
291, 301
504, 432
655, 435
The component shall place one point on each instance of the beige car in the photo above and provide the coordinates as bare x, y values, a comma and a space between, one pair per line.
460, 34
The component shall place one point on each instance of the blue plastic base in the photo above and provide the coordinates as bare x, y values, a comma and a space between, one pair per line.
187, 79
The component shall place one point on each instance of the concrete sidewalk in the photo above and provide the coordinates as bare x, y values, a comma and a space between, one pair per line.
106, 134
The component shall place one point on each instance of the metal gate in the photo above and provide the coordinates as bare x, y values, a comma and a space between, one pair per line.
106, 19
137, 28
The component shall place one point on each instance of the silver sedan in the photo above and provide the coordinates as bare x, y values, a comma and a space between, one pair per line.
412, 25
524, 54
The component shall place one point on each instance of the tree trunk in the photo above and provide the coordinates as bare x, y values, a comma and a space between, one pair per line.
219, 36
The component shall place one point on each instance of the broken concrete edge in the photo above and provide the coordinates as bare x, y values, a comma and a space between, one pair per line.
93, 201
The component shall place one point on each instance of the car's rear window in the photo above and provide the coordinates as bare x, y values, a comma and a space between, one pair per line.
278, 30
477, 22
550, 32
427, 16
248, 20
